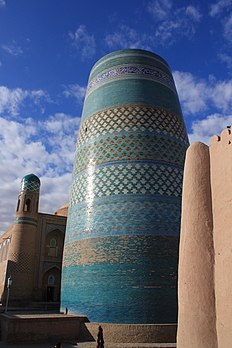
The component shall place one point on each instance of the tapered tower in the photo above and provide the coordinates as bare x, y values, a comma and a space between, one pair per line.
22, 251
120, 254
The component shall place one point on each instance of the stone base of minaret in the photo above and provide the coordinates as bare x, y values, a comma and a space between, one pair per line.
205, 260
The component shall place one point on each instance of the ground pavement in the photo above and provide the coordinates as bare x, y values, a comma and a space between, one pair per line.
90, 345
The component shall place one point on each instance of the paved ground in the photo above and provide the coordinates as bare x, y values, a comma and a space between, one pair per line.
91, 345
80, 344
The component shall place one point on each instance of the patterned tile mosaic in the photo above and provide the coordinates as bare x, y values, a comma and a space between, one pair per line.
30, 182
20, 262
137, 274
30, 186
131, 91
131, 71
129, 146
129, 216
126, 178
132, 118
121, 245
128, 58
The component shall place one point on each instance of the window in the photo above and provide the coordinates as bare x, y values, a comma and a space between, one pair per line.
18, 205
51, 279
27, 206
52, 251
53, 243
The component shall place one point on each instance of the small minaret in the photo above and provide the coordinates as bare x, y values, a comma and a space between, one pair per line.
28, 200
22, 251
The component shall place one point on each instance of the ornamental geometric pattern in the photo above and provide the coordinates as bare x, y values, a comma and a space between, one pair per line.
30, 186
21, 262
126, 178
132, 118
132, 146
154, 74
121, 244
148, 215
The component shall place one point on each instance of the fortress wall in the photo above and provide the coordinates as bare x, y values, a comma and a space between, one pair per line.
196, 328
221, 175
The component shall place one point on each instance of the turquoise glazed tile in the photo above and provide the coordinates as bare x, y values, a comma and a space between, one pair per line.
121, 247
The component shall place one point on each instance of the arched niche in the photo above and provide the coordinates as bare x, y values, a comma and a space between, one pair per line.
27, 205
51, 284
54, 244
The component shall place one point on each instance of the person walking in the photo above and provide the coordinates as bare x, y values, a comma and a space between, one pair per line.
100, 339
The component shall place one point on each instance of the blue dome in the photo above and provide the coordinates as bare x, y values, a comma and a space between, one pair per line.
30, 182
31, 177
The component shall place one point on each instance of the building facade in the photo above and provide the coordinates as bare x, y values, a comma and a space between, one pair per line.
31, 250
121, 245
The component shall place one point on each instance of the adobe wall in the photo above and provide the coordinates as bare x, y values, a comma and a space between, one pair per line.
197, 327
205, 260
221, 183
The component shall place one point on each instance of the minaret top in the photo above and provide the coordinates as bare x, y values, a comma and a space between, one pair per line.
30, 182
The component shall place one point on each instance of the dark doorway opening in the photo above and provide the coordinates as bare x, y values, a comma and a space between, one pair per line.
50, 293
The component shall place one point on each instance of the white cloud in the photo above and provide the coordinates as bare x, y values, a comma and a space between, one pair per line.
197, 95
203, 130
13, 49
76, 91
127, 37
173, 23
12, 99
218, 7
221, 95
192, 92
200, 96
193, 12
160, 9
84, 42
226, 58
170, 25
222, 10
45, 148
163, 10
54, 192
2, 3
228, 28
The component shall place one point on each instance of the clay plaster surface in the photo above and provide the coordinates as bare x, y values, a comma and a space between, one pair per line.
205, 272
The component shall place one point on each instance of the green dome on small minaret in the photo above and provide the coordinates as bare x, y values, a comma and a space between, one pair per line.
30, 182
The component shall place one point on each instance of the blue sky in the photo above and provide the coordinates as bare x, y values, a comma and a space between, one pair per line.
47, 48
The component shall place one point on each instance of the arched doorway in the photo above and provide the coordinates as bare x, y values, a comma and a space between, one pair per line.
51, 285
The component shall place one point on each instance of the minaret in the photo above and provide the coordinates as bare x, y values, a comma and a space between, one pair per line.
121, 247
22, 251
28, 199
